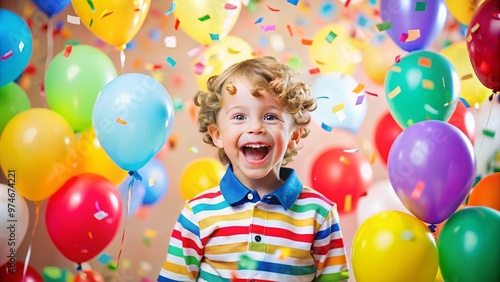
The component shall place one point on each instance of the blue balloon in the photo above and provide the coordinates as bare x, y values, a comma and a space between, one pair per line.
155, 180
16, 45
51, 7
338, 105
133, 117
136, 197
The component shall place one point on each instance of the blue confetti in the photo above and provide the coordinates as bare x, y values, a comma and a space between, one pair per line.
259, 20
464, 102
214, 36
327, 10
293, 2
263, 42
171, 62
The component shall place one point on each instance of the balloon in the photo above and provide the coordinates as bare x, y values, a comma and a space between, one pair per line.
89, 275
207, 21
386, 132
487, 134
14, 273
335, 54
394, 246
471, 88
56, 274
39, 146
342, 177
483, 44
83, 216
486, 192
338, 105
423, 85
114, 21
155, 180
133, 118
406, 17
379, 198
73, 82
52, 7
14, 221
93, 159
13, 100
200, 175
136, 197
378, 59
463, 119
462, 10
218, 57
432, 167
16, 45
468, 245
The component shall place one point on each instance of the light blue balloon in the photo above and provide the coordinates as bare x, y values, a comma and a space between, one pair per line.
133, 117
16, 45
338, 105
52, 7
155, 180
136, 197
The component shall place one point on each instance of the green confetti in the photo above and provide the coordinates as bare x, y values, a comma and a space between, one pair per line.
146, 241
331, 36
91, 22
214, 36
178, 104
420, 6
204, 18
91, 5
489, 133
295, 63
112, 266
71, 42
247, 263
384, 26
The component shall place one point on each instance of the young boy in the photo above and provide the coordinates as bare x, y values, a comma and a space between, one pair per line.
260, 223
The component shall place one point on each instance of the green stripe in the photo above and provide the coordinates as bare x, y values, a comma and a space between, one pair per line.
190, 260
344, 274
211, 277
310, 207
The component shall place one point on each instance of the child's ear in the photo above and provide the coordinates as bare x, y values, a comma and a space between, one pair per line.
214, 132
294, 140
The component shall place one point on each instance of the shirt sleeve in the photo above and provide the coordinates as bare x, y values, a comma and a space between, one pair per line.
185, 250
329, 251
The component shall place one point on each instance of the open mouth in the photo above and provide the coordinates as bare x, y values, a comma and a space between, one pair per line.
255, 152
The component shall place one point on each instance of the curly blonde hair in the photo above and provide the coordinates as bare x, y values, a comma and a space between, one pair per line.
265, 74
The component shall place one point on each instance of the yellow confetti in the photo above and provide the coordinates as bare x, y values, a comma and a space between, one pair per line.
474, 28
413, 34
469, 38
232, 51
347, 202
193, 150
427, 84
338, 108
359, 88
395, 92
150, 233
121, 121
395, 69
466, 76
152, 181
105, 13
344, 160
373, 158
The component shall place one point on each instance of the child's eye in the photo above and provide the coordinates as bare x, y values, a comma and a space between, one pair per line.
239, 117
271, 117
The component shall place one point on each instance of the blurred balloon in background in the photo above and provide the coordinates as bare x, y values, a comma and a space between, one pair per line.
486, 192
377, 59
32, 274
155, 180
16, 46
423, 85
200, 175
218, 57
207, 21
463, 10
13, 100
136, 197
386, 131
51, 7
89, 275
340, 102
74, 80
487, 134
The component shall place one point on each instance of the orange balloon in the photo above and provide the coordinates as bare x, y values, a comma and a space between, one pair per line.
89, 275
486, 192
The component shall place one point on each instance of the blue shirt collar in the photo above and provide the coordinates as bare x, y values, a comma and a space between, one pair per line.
235, 193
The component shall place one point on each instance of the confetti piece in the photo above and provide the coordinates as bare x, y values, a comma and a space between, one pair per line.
306, 41
267, 28
330, 37
397, 59
359, 88
91, 5
67, 50
246, 263
466, 76
229, 6
152, 182
193, 150
21, 46
413, 34
293, 2
407, 235
120, 121
198, 68
214, 36
395, 69
360, 99
347, 202
100, 215
105, 13
403, 37
384, 26
371, 93
91, 22
289, 28
373, 158
326, 127
394, 92
469, 38
351, 150
427, 84
420, 6
73, 20
232, 51
104, 258
272, 9
314, 71
424, 62
259, 20
340, 115
112, 265
323, 97
7, 55
42, 90
171, 62
150, 233
204, 18
170, 41
489, 133
466, 104
177, 22
474, 28
90, 235
319, 62
430, 109
146, 241
417, 191
172, 8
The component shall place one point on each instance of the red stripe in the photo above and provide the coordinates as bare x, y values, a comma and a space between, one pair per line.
315, 195
281, 233
226, 231
334, 244
187, 243
206, 196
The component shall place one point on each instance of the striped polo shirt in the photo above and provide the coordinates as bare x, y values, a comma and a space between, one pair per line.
229, 233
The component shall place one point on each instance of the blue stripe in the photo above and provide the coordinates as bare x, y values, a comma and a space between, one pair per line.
163, 279
325, 233
209, 207
189, 225
286, 269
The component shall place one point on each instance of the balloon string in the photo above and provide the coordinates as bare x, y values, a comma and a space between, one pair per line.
122, 60
485, 128
28, 254
50, 44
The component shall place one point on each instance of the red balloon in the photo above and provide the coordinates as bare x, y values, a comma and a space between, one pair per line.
385, 133
83, 216
483, 43
463, 119
342, 177
12, 271
88, 275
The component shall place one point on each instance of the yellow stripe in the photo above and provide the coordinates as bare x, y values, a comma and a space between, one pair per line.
175, 268
295, 222
209, 221
223, 249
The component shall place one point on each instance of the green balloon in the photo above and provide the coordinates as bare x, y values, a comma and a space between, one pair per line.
13, 100
468, 245
73, 81
423, 85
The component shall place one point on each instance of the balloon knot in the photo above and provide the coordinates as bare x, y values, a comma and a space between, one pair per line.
79, 267
135, 174
432, 228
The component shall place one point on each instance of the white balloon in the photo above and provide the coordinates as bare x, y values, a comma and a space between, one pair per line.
379, 198
14, 221
487, 123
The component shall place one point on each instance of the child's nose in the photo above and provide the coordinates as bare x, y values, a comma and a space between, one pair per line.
256, 126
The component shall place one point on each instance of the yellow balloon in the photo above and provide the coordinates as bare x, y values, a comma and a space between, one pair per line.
378, 59
114, 21
463, 10
200, 18
471, 89
394, 246
332, 50
218, 57
200, 175
38, 150
93, 159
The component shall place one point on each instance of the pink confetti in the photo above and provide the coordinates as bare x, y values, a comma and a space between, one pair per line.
229, 6
403, 37
7, 55
42, 90
198, 68
267, 28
